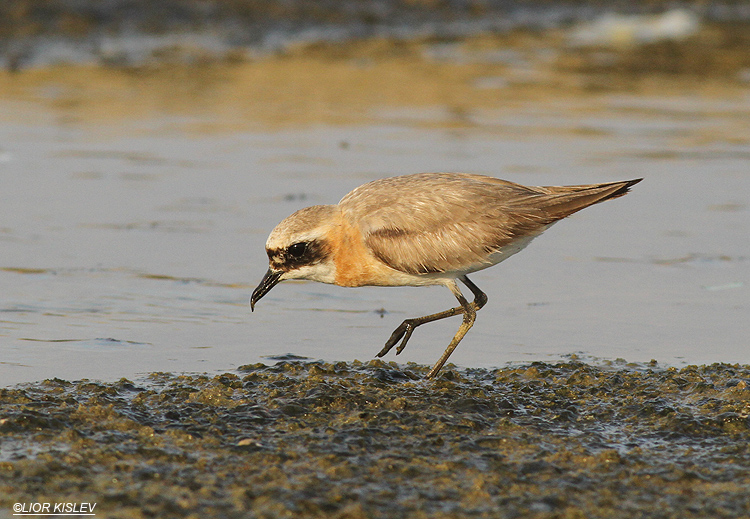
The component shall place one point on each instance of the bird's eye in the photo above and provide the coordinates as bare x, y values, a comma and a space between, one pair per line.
297, 250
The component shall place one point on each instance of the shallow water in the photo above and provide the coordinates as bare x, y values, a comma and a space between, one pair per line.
133, 253
135, 206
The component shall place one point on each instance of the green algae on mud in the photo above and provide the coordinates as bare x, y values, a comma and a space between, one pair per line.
311, 439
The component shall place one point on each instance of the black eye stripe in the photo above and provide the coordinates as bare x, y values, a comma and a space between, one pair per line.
298, 254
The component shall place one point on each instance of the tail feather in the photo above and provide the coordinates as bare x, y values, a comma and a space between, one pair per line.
562, 201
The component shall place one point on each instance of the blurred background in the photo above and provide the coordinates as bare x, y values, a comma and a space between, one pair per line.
147, 148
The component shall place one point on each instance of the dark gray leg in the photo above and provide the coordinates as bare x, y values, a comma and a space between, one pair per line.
469, 310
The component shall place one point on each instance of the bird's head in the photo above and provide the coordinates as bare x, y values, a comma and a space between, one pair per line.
300, 248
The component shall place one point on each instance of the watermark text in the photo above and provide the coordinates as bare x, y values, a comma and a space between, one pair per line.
69, 509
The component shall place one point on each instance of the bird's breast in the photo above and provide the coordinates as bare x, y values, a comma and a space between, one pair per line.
356, 266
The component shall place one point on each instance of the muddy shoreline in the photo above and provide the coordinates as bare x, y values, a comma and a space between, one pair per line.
311, 439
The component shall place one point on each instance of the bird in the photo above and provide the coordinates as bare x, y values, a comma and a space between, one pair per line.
419, 230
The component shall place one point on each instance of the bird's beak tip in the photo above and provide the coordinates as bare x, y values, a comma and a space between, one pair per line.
270, 280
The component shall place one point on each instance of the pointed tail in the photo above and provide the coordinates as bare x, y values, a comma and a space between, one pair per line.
562, 201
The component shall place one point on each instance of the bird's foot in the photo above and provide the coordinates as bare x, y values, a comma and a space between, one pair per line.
404, 330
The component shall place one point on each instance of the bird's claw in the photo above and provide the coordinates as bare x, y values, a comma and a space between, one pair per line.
409, 330
404, 330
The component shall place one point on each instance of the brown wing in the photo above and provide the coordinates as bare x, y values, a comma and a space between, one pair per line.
437, 222
440, 222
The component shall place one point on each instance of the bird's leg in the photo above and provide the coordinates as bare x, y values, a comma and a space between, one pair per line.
470, 315
480, 298
406, 328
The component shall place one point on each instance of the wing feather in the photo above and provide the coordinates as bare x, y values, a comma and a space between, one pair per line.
442, 222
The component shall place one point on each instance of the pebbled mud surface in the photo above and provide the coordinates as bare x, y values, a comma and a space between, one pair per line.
310, 439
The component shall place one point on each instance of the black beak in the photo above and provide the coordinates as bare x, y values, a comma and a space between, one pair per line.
270, 280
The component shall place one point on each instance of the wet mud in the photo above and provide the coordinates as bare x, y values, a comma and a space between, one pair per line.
313, 439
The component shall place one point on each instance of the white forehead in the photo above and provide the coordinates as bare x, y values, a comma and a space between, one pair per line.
304, 225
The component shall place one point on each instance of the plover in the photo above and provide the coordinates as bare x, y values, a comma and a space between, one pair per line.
423, 229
